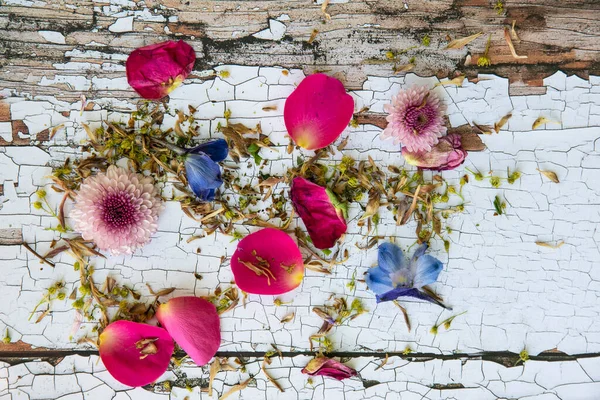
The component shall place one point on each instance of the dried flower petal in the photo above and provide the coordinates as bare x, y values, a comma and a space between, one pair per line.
462, 42
194, 324
155, 71
447, 154
324, 366
550, 175
325, 223
318, 111
135, 354
267, 262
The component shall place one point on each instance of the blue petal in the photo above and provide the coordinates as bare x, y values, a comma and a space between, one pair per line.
203, 175
378, 280
217, 150
426, 269
409, 292
420, 251
391, 258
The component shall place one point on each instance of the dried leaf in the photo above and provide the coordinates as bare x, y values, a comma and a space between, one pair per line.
55, 130
541, 121
398, 69
90, 133
313, 36
383, 362
236, 388
42, 315
550, 175
412, 208
269, 108
288, 318
458, 81
324, 9
485, 129
513, 33
459, 43
317, 267
344, 143
498, 125
269, 377
215, 367
549, 245
510, 45
160, 293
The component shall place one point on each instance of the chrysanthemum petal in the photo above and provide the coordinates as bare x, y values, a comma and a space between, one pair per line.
325, 223
156, 70
194, 324
318, 111
427, 269
324, 366
217, 150
203, 174
267, 262
135, 354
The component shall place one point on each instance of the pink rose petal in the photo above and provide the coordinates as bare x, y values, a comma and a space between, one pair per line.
135, 354
325, 223
324, 366
318, 111
194, 324
445, 155
267, 262
155, 71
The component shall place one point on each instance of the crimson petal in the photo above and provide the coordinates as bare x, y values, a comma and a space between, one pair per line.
267, 262
317, 111
155, 71
325, 366
325, 223
135, 354
194, 324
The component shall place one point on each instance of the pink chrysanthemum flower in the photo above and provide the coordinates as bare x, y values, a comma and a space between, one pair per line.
117, 210
416, 119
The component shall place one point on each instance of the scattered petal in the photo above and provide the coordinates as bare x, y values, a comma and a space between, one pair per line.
155, 71
318, 111
445, 155
542, 121
324, 366
462, 42
194, 324
135, 354
510, 45
550, 175
325, 223
267, 262
498, 125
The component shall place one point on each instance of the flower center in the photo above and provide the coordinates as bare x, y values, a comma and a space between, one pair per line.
118, 210
417, 118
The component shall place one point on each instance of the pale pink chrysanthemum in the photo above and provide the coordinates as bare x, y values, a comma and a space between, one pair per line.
416, 119
117, 210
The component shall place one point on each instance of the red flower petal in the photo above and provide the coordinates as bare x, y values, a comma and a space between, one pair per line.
328, 367
447, 154
135, 354
155, 71
324, 222
267, 262
194, 324
318, 111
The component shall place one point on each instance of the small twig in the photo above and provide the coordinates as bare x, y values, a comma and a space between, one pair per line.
35, 253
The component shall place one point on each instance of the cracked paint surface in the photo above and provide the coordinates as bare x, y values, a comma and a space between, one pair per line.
76, 377
517, 295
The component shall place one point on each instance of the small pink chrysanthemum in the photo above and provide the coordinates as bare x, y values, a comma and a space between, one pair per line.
416, 119
117, 210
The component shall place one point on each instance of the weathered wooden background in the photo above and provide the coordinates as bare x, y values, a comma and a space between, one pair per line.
516, 294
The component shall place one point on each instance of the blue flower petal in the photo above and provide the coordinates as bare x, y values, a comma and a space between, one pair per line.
203, 175
378, 280
420, 251
217, 150
391, 258
395, 293
426, 269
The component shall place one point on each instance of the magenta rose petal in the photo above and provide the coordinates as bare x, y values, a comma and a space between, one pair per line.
324, 366
445, 155
135, 354
317, 111
325, 223
267, 262
194, 324
155, 71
